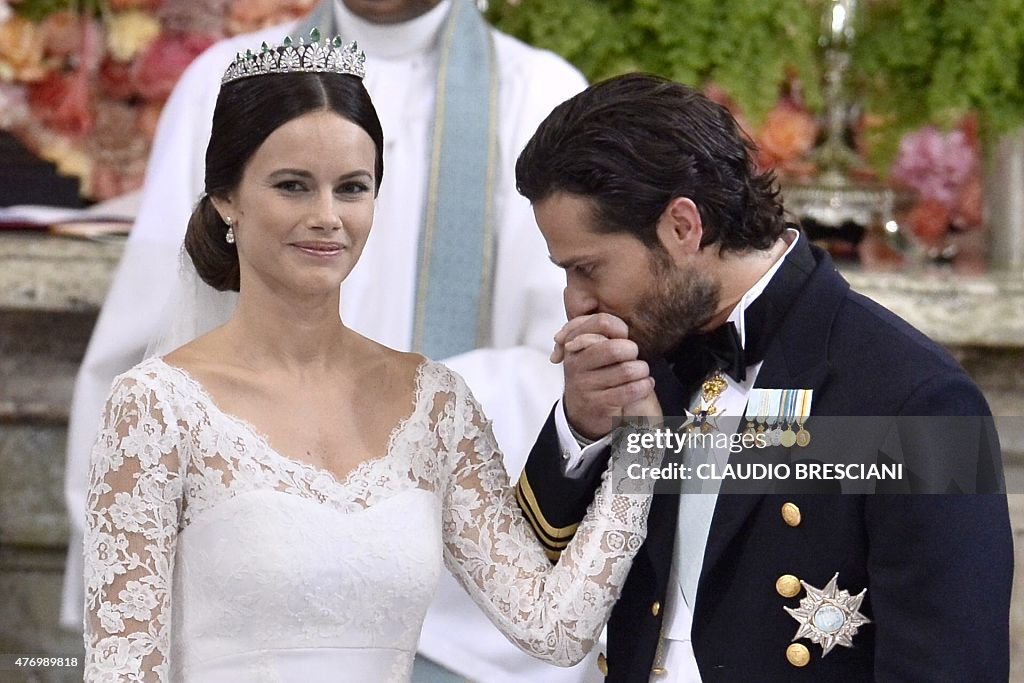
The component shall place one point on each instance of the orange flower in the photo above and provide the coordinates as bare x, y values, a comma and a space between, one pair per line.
21, 51
788, 133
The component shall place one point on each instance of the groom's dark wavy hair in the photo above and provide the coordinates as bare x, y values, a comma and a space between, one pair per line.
633, 143
247, 112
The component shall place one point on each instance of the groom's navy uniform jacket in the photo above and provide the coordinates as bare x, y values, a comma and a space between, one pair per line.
937, 568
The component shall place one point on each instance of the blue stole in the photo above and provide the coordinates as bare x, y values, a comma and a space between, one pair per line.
454, 278
321, 18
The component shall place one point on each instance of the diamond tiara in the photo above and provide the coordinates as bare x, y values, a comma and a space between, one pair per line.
332, 56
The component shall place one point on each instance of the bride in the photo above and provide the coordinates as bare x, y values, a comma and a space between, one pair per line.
273, 501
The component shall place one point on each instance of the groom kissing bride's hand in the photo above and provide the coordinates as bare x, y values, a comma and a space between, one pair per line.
604, 375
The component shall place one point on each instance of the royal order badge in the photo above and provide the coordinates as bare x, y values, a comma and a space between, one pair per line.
828, 616
704, 417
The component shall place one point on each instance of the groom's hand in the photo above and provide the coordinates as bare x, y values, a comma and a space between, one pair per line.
603, 373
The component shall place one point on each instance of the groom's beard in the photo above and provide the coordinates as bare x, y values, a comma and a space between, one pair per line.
677, 304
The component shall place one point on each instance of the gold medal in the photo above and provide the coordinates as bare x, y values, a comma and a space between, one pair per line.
789, 400
803, 437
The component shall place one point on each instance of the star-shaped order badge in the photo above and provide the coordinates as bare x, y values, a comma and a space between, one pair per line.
704, 417
828, 616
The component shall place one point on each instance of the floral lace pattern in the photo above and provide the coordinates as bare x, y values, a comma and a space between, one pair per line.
172, 477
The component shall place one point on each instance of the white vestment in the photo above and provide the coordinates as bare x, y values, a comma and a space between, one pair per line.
512, 378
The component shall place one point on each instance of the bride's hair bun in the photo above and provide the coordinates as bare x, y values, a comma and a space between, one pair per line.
215, 259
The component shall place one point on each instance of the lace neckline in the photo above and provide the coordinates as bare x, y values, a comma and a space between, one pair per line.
340, 483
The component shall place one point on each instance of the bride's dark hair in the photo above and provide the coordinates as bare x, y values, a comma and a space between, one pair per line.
247, 112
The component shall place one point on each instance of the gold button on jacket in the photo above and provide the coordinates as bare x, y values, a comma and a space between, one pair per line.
788, 586
655, 608
602, 664
791, 514
797, 654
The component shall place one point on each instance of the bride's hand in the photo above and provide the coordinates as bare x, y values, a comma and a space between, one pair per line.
603, 377
648, 406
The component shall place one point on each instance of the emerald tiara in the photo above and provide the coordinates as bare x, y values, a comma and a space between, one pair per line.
330, 57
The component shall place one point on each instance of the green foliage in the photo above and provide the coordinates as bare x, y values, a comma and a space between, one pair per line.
565, 28
37, 10
933, 61
749, 47
914, 61
762, 45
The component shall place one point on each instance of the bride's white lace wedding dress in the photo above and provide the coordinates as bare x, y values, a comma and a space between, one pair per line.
210, 557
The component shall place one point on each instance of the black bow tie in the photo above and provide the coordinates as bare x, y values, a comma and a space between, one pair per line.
698, 355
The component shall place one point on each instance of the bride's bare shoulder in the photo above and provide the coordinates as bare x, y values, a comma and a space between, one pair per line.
395, 367
198, 354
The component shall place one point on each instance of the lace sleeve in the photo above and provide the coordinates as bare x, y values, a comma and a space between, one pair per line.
554, 612
134, 500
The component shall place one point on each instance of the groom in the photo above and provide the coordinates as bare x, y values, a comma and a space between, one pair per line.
680, 266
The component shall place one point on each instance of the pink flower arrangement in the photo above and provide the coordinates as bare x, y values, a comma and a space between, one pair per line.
936, 165
943, 169
156, 71
61, 102
85, 90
